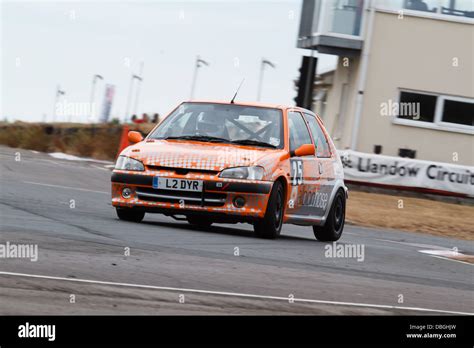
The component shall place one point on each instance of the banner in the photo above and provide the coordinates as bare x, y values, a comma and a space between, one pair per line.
406, 172
107, 105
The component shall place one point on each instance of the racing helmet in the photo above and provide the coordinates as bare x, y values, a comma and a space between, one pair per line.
211, 124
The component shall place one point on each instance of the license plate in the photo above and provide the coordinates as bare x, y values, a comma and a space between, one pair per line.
177, 184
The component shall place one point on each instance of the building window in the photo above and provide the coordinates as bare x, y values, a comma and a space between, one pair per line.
463, 8
458, 8
418, 5
417, 106
436, 111
458, 112
341, 17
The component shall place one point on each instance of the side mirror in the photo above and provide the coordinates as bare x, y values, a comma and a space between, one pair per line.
134, 137
304, 150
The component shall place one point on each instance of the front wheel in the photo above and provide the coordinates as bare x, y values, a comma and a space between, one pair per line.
270, 226
332, 229
128, 214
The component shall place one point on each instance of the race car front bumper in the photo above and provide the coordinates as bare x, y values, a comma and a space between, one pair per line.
240, 200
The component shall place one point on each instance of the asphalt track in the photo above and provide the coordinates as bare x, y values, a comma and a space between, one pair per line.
174, 268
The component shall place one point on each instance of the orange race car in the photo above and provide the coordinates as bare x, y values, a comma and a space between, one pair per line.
222, 162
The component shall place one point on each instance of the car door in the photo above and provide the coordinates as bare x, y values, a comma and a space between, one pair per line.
321, 192
303, 170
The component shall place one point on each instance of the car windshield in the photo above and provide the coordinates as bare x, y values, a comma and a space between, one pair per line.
245, 125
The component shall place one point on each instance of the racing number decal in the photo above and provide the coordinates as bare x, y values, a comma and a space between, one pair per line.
296, 172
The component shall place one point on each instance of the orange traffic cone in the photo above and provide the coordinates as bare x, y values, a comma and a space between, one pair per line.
123, 139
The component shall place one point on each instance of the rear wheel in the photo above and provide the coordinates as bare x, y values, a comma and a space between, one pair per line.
128, 214
270, 226
332, 229
199, 221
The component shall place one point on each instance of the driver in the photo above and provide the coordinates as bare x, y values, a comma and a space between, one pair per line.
212, 124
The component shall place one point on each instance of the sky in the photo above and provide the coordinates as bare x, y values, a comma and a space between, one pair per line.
45, 44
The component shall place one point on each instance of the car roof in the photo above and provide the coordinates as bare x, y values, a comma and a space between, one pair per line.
257, 104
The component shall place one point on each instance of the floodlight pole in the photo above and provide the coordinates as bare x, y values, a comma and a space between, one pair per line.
260, 80
130, 91
59, 92
197, 65
91, 105
137, 93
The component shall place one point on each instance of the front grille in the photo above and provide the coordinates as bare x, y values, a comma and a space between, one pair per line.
183, 171
190, 198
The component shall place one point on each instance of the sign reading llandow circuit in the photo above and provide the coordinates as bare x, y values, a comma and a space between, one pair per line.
405, 172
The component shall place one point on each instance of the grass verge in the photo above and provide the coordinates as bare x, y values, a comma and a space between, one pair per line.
411, 214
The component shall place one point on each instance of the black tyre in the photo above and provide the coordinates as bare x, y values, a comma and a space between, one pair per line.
130, 214
199, 221
332, 229
270, 226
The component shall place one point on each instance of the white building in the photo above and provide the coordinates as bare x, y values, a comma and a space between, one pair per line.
405, 75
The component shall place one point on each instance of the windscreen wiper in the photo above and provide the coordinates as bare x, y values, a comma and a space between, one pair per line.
253, 142
205, 138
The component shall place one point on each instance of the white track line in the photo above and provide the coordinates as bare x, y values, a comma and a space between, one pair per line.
449, 259
99, 167
64, 187
432, 253
234, 294
417, 245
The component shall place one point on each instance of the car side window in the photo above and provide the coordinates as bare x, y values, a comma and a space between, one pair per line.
320, 140
299, 134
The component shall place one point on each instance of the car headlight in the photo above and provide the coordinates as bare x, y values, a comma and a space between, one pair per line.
250, 173
127, 163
